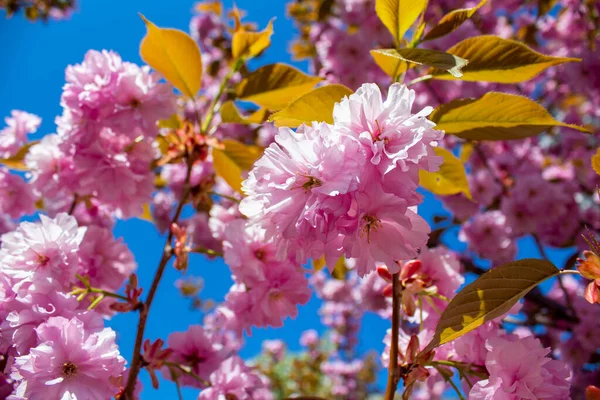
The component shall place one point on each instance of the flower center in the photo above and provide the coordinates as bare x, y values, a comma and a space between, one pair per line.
43, 260
311, 182
259, 254
371, 224
69, 369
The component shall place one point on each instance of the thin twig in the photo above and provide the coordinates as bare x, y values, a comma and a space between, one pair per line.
136, 361
74, 204
393, 376
187, 372
225, 197
214, 105
420, 79
568, 299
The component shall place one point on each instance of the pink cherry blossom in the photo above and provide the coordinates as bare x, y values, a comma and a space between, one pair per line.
234, 378
195, 349
520, 368
70, 362
51, 168
489, 236
393, 136
42, 255
388, 231
108, 91
14, 136
116, 170
16, 197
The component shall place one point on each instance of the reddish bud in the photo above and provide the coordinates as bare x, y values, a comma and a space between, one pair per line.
388, 291
410, 268
592, 393
590, 267
383, 272
592, 292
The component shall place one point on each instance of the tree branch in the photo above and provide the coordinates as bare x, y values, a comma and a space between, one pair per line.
393, 376
136, 361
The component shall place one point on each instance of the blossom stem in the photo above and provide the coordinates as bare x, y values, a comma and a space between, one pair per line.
225, 196
209, 252
569, 271
74, 204
187, 372
213, 106
449, 380
393, 376
420, 79
136, 361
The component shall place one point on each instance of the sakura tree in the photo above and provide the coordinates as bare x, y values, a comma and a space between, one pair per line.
316, 183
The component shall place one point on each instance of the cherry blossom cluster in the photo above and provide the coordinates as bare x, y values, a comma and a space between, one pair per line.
347, 188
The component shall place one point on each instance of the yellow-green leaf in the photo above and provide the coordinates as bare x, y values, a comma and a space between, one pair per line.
451, 21
318, 264
274, 86
490, 296
16, 162
230, 114
316, 105
338, 271
596, 162
250, 44
493, 59
146, 213
175, 55
495, 116
234, 158
465, 151
389, 62
433, 58
399, 15
450, 179
172, 123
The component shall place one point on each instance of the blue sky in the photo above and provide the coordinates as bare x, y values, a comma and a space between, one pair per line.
35, 56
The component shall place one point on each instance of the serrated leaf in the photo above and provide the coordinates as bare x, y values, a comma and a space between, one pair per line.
596, 161
433, 58
494, 59
274, 86
450, 179
495, 116
316, 105
17, 162
250, 44
451, 21
234, 158
490, 296
399, 15
175, 55
230, 114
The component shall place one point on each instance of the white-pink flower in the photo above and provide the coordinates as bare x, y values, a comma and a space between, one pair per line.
520, 368
70, 362
398, 142
14, 136
43, 255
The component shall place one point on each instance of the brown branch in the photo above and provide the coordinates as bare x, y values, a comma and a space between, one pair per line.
136, 361
393, 376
